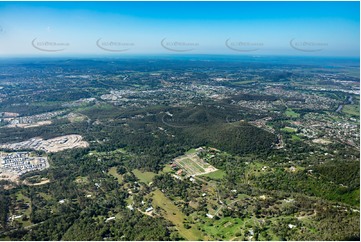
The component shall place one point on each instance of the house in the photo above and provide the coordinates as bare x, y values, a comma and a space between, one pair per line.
291, 226
209, 215
292, 169
149, 209
179, 172
109, 219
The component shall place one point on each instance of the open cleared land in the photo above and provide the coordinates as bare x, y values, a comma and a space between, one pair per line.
173, 214
31, 125
113, 171
192, 165
145, 177
321, 141
15, 164
292, 114
351, 110
289, 129
51, 145
219, 174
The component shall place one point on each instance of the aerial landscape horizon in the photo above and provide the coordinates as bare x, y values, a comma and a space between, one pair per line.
180, 121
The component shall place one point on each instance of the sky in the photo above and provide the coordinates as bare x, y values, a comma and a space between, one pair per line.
176, 28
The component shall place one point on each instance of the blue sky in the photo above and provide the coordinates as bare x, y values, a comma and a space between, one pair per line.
127, 28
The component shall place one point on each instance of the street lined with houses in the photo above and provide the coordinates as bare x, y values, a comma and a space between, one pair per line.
15, 164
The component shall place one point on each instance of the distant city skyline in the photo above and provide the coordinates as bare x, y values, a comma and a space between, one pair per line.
163, 28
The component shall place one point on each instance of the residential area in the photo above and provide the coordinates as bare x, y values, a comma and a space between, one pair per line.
15, 164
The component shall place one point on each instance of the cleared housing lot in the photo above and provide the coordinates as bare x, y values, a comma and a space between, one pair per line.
50, 145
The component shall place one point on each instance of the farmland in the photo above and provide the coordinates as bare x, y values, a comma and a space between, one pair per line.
192, 165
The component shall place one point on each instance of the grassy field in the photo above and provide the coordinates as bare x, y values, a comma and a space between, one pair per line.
47, 197
167, 169
224, 229
289, 129
107, 154
255, 169
244, 82
191, 151
295, 137
292, 114
216, 175
353, 110
27, 212
20, 196
145, 177
77, 117
231, 229
173, 214
113, 171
